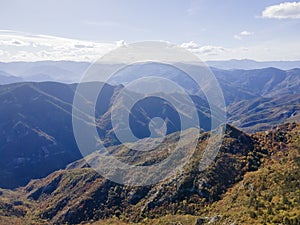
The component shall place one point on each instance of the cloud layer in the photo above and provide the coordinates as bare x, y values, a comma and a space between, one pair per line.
18, 46
286, 10
203, 50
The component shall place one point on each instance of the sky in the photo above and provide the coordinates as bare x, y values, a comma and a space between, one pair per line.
84, 30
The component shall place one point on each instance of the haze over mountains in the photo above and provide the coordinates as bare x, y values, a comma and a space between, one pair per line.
71, 71
247, 64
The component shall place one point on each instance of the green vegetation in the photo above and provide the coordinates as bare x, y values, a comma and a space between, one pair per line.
255, 180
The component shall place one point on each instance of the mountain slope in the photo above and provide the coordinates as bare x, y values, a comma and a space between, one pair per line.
77, 195
33, 143
264, 113
37, 134
269, 195
36, 123
265, 82
6, 78
254, 180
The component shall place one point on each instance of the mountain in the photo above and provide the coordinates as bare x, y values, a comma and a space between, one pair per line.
36, 122
49, 73
253, 180
71, 71
59, 71
269, 195
237, 85
146, 201
262, 82
33, 142
256, 82
6, 78
130, 73
264, 113
39, 115
247, 64
37, 136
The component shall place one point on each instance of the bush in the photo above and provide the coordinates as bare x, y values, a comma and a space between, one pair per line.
252, 214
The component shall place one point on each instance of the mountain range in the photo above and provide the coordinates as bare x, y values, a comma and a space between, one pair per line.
45, 180
36, 118
254, 180
247, 64
36, 122
71, 71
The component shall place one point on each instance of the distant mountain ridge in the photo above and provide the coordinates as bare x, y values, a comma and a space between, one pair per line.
247, 64
264, 82
71, 71
6, 78
60, 71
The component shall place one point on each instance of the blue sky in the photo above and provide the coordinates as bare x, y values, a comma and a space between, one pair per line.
213, 29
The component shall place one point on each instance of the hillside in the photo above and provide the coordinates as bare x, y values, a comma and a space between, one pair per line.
6, 78
37, 136
39, 115
264, 113
36, 122
267, 82
269, 195
254, 179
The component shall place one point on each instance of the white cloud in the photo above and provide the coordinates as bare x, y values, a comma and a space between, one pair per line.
29, 47
19, 46
267, 51
13, 42
211, 50
203, 50
286, 10
190, 45
243, 33
246, 33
